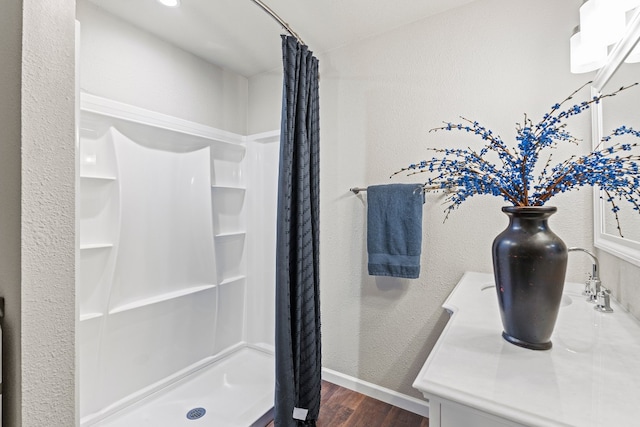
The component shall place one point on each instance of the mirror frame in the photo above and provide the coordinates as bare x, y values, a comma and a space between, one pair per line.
628, 250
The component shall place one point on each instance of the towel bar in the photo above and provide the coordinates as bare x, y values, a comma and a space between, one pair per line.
356, 190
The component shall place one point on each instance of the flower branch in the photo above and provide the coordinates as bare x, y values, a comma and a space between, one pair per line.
613, 167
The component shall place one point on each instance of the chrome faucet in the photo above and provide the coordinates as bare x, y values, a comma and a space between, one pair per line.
593, 290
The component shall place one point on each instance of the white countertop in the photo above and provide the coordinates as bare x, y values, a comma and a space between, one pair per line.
591, 376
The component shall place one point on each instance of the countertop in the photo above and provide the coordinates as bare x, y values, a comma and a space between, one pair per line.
591, 376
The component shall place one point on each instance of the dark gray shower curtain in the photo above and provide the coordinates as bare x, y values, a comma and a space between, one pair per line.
298, 359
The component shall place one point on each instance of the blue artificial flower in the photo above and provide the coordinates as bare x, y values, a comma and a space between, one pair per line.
518, 179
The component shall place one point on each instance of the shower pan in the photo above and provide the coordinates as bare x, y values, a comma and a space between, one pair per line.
176, 270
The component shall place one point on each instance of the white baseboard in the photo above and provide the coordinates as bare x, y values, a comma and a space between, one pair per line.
408, 403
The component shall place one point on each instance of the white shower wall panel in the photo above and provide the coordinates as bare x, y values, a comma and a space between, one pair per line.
95, 272
165, 242
143, 346
89, 336
263, 158
168, 227
231, 315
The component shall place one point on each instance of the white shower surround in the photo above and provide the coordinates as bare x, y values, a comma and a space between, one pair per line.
170, 289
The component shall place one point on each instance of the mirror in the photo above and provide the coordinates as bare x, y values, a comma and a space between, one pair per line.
610, 113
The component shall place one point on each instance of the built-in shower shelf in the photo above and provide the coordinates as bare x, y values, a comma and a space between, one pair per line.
98, 178
90, 316
229, 187
231, 234
233, 279
90, 246
160, 298
238, 147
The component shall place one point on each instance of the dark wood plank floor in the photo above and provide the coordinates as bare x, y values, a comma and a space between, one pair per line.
341, 407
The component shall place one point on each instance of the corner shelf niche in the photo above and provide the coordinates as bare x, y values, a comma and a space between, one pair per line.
230, 256
228, 206
227, 166
98, 212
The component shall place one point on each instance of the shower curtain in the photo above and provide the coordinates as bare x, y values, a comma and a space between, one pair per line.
298, 358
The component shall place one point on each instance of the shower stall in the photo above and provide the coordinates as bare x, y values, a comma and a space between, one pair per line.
176, 218
176, 270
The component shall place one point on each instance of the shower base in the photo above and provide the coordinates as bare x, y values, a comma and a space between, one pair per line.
236, 391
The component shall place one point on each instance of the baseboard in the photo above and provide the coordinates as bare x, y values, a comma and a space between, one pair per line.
408, 403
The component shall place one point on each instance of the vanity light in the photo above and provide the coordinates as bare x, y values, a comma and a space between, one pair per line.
625, 5
169, 3
601, 22
585, 56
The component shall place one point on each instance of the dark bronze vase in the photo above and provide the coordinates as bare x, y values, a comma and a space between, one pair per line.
529, 265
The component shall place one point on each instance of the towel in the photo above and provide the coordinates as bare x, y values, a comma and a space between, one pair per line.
394, 229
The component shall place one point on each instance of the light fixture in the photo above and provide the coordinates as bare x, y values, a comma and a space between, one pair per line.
601, 22
586, 56
169, 3
625, 5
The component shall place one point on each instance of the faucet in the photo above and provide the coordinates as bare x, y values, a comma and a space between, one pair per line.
594, 291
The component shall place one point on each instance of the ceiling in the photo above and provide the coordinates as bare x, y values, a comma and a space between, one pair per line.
239, 35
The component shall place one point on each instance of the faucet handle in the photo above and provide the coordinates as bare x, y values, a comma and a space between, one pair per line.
592, 289
587, 289
603, 303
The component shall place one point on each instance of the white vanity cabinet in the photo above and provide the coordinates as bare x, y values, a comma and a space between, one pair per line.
474, 378
445, 413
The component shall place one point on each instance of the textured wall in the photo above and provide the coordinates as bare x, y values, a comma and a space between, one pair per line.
48, 207
491, 60
126, 64
10, 52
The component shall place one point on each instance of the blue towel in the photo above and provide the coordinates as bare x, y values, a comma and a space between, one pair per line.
394, 229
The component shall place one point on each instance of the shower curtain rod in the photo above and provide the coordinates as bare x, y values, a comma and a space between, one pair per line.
279, 20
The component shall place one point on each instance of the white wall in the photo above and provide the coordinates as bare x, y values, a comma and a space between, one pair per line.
48, 209
126, 64
265, 102
490, 61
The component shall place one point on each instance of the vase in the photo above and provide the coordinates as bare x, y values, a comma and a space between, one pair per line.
529, 266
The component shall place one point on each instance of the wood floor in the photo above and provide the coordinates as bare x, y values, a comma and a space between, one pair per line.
341, 407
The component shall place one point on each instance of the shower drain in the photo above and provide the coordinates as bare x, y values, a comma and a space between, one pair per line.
196, 413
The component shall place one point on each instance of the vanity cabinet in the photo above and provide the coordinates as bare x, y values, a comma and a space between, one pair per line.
474, 378
446, 413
